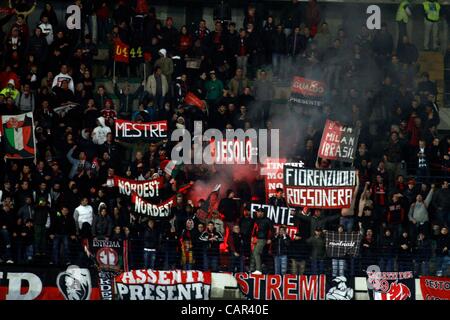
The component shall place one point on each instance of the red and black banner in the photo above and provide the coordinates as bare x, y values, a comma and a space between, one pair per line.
156, 211
143, 188
307, 92
163, 285
279, 216
391, 285
192, 100
48, 283
435, 288
121, 52
273, 175
110, 255
319, 188
133, 131
294, 287
338, 142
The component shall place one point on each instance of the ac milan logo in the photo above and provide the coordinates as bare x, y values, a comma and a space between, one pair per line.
75, 283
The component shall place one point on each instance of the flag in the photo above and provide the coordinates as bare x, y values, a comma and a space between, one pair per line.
206, 208
18, 131
171, 167
121, 52
192, 100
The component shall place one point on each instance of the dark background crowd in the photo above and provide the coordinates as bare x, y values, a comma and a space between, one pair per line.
52, 204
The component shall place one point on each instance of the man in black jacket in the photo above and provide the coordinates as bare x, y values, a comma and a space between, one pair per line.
298, 253
151, 244
278, 200
41, 219
62, 227
442, 252
102, 225
422, 255
262, 235
280, 247
278, 50
214, 239
228, 207
235, 246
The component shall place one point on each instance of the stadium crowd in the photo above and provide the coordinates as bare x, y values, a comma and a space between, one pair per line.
50, 205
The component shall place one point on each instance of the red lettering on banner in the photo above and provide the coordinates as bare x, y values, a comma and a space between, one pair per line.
289, 286
273, 283
240, 278
257, 286
308, 287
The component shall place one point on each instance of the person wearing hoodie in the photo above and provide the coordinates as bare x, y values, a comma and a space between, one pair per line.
102, 225
100, 132
418, 214
166, 64
10, 90
84, 215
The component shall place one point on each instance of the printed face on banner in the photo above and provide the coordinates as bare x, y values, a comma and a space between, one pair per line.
75, 283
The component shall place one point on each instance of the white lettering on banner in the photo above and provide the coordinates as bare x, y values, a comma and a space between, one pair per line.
145, 189
105, 243
15, 281
152, 210
141, 130
318, 178
279, 215
319, 198
335, 150
147, 291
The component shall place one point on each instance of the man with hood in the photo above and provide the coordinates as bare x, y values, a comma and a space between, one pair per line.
166, 64
100, 132
10, 90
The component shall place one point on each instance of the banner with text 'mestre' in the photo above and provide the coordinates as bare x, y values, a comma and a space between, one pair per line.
319, 188
163, 285
133, 131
